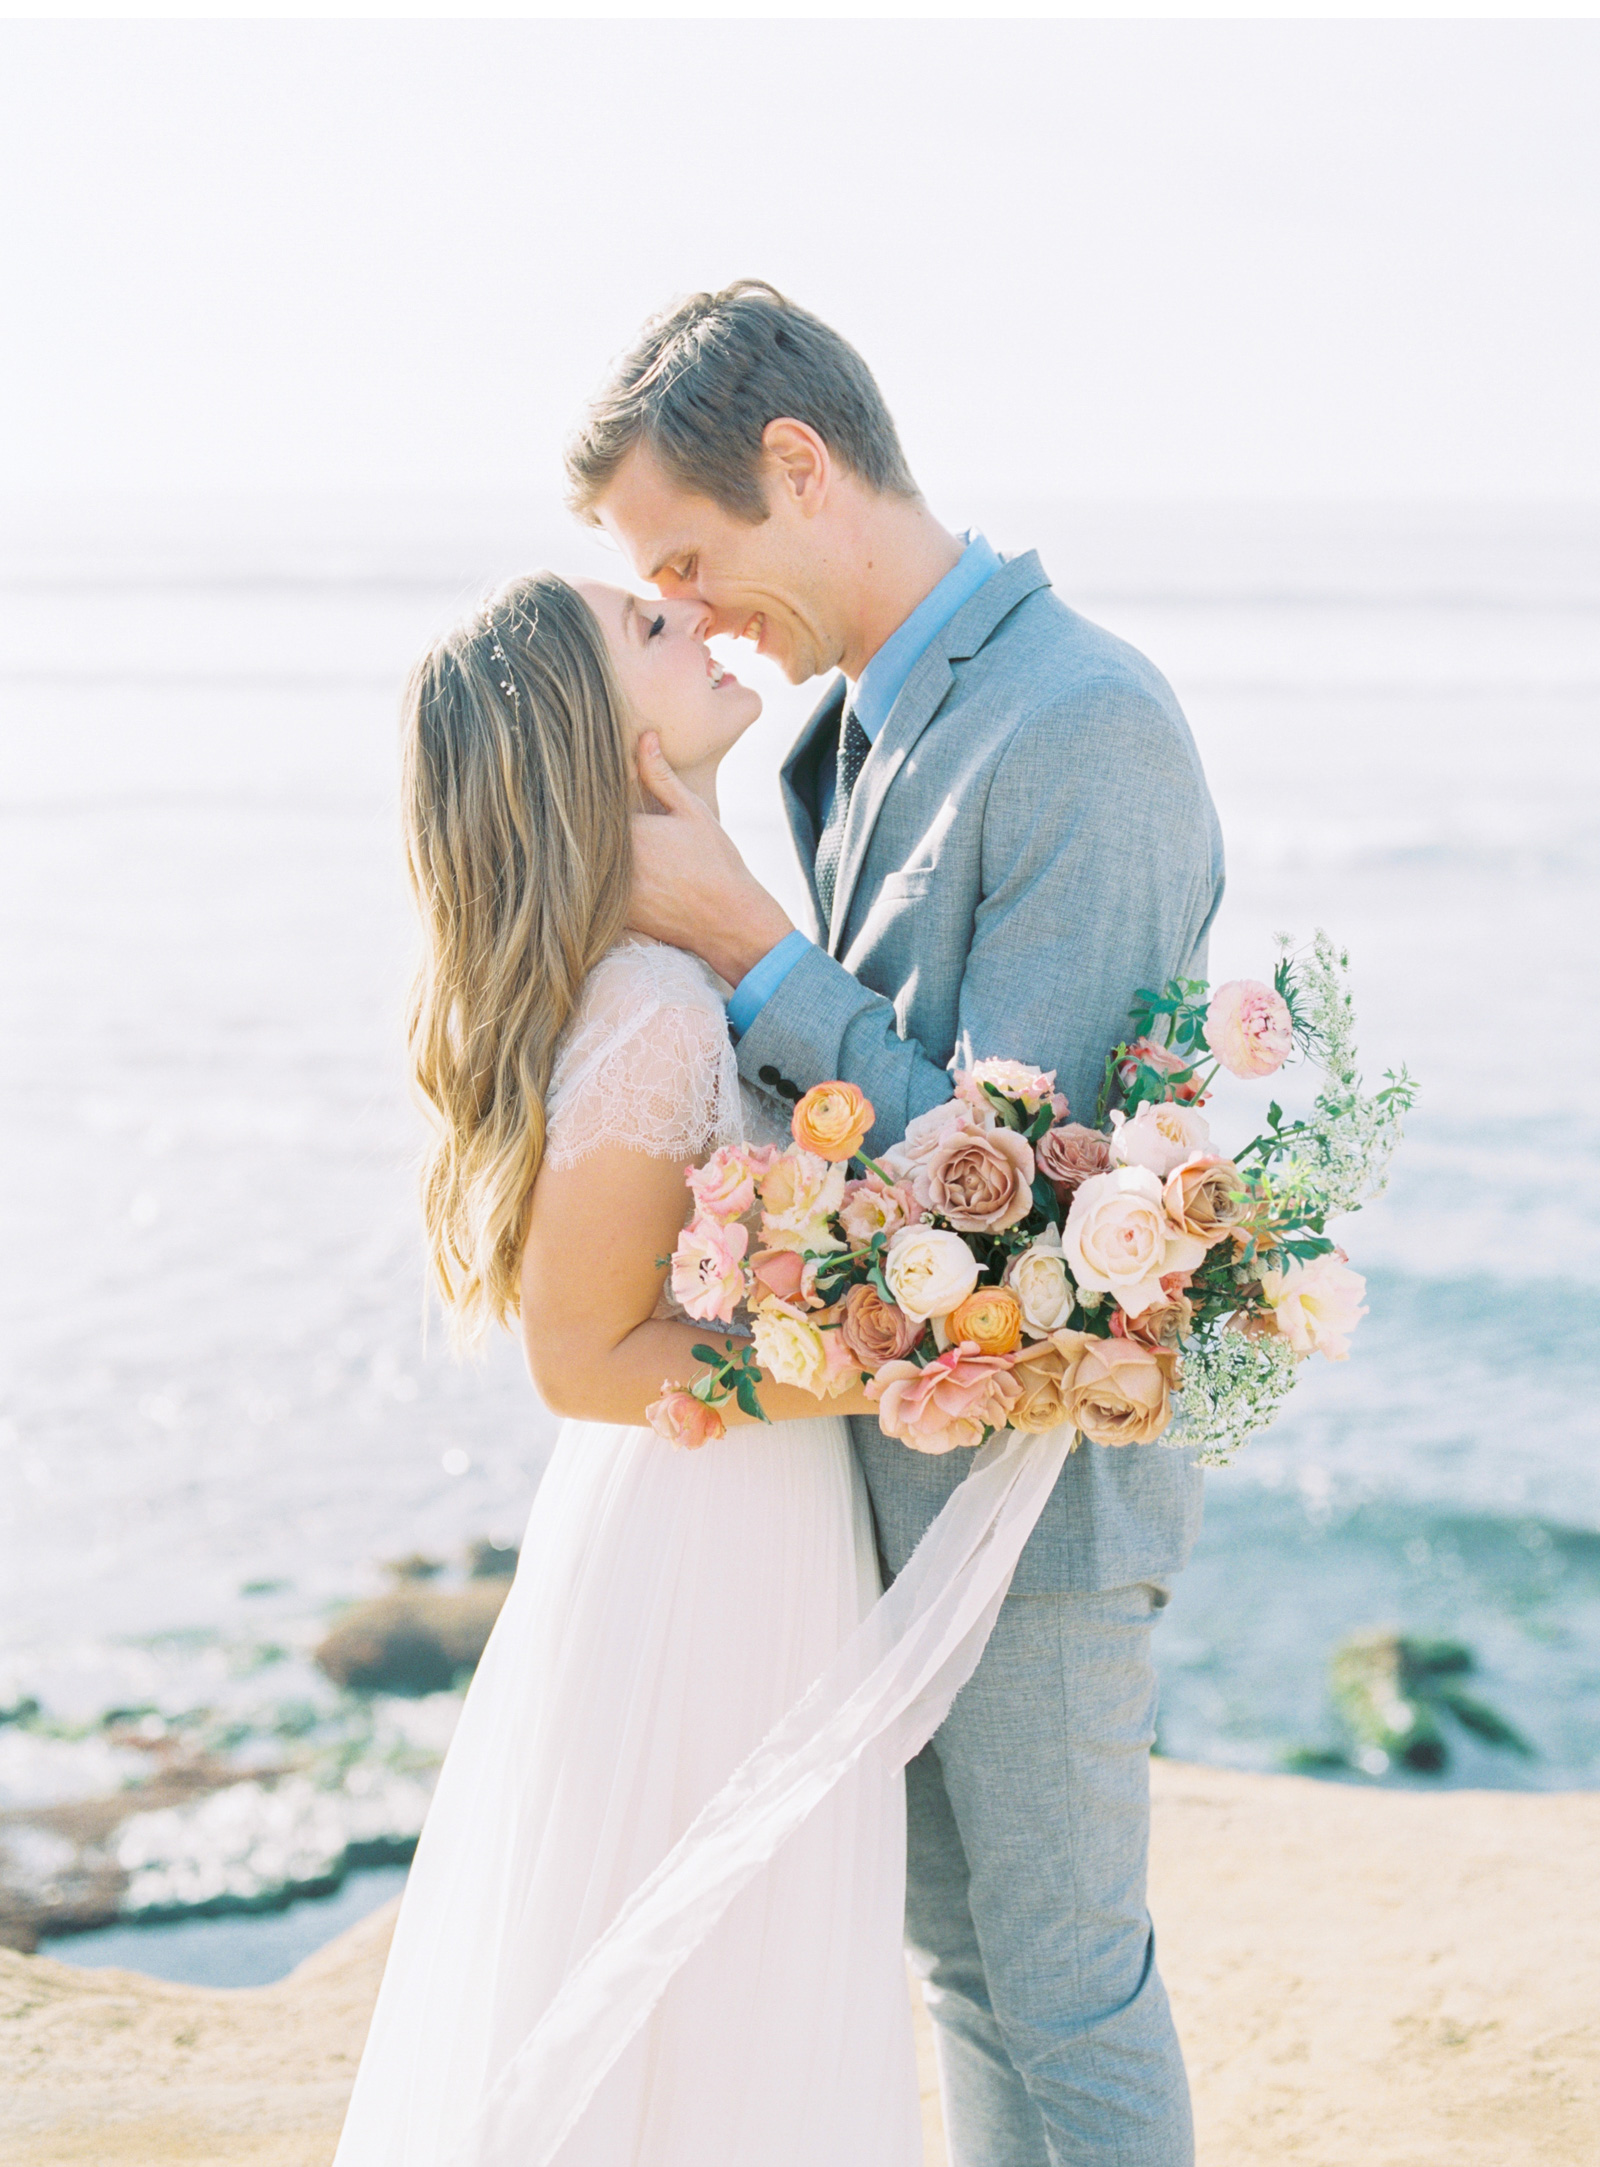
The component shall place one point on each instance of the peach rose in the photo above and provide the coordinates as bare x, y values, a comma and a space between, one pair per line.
1164, 1324
1316, 1305
1166, 1063
790, 1349
708, 1279
874, 1330
981, 1183
725, 1187
1121, 1391
960, 1395
800, 1191
784, 1275
1045, 1372
990, 1319
1069, 1154
1039, 1278
682, 1419
1159, 1137
1012, 1079
872, 1207
928, 1270
1118, 1239
1207, 1197
832, 1120
1249, 1028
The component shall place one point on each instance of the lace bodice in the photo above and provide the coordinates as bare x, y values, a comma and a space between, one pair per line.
645, 1062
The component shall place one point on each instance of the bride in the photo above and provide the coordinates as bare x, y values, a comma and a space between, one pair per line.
669, 1606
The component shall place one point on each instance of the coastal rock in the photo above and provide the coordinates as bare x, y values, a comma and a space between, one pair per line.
416, 1639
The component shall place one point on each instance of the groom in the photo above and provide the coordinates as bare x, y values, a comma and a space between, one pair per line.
1006, 832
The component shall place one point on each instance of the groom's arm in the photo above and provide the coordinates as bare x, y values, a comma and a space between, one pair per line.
1100, 873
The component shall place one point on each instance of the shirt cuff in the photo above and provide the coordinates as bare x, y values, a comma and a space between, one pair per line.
751, 995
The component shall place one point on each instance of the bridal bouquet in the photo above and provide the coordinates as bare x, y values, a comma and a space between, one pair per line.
1005, 1266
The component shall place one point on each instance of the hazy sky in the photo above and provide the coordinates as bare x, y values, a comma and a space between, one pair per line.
1159, 258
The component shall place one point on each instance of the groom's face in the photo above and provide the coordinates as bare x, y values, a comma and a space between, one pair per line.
755, 583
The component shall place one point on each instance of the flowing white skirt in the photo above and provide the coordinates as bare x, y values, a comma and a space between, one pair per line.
668, 1609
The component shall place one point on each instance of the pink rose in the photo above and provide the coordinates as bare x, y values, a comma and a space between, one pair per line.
1159, 1137
1069, 1154
1012, 1079
784, 1275
982, 1183
1249, 1028
872, 1207
725, 1187
708, 1279
1316, 1305
951, 1403
875, 1331
927, 1131
682, 1419
1165, 1063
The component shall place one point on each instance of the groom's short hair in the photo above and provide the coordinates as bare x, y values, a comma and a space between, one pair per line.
703, 380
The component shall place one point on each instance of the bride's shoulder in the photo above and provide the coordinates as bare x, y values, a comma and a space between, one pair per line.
640, 975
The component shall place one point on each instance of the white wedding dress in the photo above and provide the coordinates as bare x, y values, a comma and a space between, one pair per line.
655, 1915
668, 1608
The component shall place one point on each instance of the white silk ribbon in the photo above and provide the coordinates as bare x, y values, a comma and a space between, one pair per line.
888, 1690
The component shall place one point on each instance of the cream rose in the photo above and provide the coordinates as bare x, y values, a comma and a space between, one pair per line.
1159, 1137
1316, 1305
790, 1350
929, 1270
1039, 1280
1118, 1239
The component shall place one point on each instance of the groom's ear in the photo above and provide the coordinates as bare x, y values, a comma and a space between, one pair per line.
798, 465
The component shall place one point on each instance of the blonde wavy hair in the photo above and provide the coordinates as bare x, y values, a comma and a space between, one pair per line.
517, 791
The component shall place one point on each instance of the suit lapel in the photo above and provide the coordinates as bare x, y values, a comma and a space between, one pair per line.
920, 699
797, 779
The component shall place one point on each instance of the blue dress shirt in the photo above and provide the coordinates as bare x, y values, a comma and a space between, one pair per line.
873, 697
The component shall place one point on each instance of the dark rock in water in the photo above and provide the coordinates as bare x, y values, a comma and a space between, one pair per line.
1392, 1691
414, 1567
491, 1560
415, 1640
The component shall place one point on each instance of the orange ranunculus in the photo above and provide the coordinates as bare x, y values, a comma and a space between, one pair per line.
832, 1120
990, 1319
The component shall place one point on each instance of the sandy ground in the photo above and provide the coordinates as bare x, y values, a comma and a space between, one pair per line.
1360, 1976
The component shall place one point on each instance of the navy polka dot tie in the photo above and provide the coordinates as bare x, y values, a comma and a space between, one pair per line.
854, 745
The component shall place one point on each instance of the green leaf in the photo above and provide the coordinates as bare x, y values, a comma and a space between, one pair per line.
707, 1354
1044, 1199
746, 1394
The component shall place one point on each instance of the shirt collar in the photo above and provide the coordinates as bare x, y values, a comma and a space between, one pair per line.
882, 681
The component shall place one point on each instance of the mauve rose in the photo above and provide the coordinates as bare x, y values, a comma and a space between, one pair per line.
1070, 1153
1164, 1324
1207, 1197
683, 1420
925, 1131
1121, 1393
1159, 1137
980, 1183
950, 1403
874, 1330
1249, 1028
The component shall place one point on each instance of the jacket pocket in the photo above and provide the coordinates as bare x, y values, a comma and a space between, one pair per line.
906, 887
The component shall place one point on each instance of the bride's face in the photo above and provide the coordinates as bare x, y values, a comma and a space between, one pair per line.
668, 676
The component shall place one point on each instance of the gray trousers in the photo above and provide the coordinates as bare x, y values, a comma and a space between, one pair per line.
1028, 1828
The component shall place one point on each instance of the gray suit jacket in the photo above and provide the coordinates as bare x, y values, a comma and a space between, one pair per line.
1031, 840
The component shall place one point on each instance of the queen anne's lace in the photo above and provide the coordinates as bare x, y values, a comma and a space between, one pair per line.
645, 1063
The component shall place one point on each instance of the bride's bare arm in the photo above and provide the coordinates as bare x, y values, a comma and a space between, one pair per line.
591, 1275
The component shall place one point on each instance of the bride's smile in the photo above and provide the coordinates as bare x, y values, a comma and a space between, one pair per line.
671, 682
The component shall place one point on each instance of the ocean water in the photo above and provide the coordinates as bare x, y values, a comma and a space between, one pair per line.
219, 1408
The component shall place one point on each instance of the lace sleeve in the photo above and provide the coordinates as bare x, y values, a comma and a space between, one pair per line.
646, 1063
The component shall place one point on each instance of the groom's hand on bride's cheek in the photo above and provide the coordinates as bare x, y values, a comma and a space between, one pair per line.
690, 886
